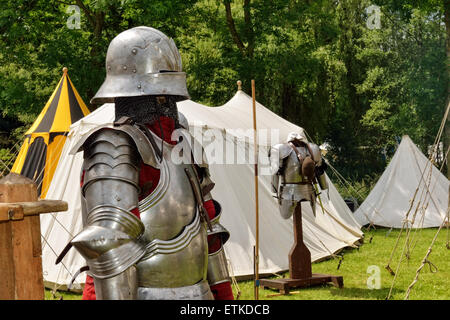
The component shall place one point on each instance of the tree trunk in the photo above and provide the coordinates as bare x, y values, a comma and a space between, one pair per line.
248, 34
249, 29
232, 27
285, 101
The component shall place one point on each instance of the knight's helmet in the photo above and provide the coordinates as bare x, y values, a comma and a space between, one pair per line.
142, 61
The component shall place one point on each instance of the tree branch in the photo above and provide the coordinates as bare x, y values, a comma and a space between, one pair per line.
230, 22
89, 13
249, 28
400, 27
66, 3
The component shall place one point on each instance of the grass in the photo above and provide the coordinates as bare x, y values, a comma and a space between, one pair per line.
61, 295
374, 252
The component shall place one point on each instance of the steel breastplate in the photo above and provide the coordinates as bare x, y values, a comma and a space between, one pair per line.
175, 237
293, 189
291, 180
292, 169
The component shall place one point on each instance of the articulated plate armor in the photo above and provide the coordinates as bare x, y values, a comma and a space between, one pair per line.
217, 262
162, 255
288, 182
110, 241
175, 236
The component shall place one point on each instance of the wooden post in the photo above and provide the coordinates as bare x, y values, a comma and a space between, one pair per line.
299, 256
239, 84
20, 238
255, 141
300, 265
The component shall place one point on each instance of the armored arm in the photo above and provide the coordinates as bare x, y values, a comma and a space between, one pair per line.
277, 154
218, 235
274, 158
321, 166
109, 240
217, 262
217, 271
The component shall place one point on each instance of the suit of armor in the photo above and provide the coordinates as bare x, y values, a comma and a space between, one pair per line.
296, 166
151, 228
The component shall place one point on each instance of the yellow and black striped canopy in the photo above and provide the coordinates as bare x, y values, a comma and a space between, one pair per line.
64, 107
40, 152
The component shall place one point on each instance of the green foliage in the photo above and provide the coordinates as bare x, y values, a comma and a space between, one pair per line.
37, 43
405, 83
358, 189
315, 63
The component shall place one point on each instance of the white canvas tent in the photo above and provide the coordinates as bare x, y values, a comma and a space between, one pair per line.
392, 196
324, 234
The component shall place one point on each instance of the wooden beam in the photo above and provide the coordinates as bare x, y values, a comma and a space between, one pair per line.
19, 210
20, 238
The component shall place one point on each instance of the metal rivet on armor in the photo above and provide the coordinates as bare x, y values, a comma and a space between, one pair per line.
134, 70
134, 51
139, 86
124, 67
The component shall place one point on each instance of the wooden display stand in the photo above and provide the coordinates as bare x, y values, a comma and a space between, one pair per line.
20, 238
300, 265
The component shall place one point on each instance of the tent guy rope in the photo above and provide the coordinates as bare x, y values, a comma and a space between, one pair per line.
425, 260
430, 165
